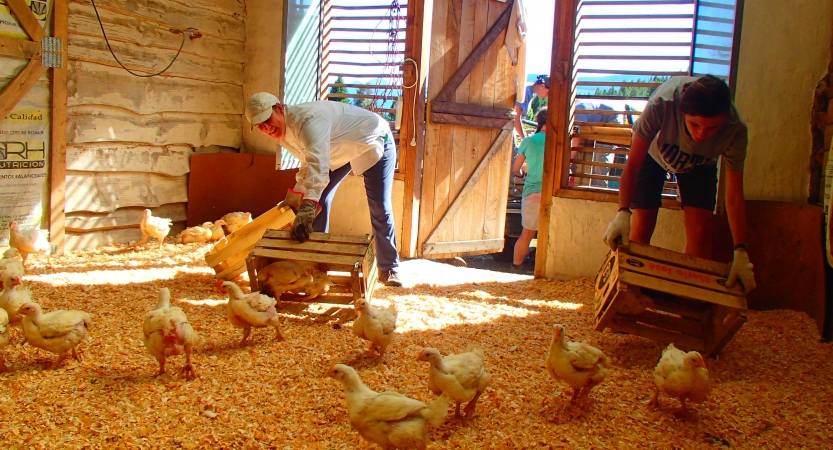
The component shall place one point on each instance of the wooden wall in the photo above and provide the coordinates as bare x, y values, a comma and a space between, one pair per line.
130, 139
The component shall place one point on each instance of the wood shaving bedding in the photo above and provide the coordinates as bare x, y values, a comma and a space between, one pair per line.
771, 387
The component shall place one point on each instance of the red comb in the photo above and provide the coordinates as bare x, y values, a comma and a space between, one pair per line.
219, 283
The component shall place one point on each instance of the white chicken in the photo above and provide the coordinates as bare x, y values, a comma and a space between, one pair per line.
12, 297
57, 332
4, 338
194, 234
11, 262
154, 227
252, 310
283, 276
236, 220
28, 242
216, 228
388, 419
579, 365
320, 284
168, 333
681, 375
375, 325
461, 377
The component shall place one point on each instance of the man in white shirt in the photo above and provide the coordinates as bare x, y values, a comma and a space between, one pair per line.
331, 139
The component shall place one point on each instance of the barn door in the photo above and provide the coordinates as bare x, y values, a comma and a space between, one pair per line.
468, 147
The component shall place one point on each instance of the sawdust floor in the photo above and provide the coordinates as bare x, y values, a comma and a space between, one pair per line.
771, 386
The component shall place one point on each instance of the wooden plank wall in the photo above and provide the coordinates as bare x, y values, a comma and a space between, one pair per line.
129, 138
453, 152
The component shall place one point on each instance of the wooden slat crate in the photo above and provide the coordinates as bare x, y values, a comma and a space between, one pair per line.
228, 256
683, 299
349, 261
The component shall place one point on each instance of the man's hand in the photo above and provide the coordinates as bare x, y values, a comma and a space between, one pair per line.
302, 226
619, 227
741, 269
292, 200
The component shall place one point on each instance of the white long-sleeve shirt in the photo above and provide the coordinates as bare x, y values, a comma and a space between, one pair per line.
325, 136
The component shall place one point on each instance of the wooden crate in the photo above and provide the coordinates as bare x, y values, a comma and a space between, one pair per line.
687, 303
228, 256
349, 261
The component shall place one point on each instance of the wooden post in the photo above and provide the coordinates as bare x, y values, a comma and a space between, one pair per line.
557, 145
413, 126
58, 154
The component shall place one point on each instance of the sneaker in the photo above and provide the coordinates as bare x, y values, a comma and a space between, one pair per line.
389, 278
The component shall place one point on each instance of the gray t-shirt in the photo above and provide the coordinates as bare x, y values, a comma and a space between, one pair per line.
662, 124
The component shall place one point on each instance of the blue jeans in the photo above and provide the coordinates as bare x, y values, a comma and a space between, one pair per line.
378, 184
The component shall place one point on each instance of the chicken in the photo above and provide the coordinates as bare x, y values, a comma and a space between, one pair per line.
681, 375
320, 284
579, 365
236, 220
154, 227
633, 301
461, 377
388, 419
58, 332
216, 228
12, 297
283, 276
252, 310
168, 333
375, 325
28, 242
11, 261
4, 337
194, 234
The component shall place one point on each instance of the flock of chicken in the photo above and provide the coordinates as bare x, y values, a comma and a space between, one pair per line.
159, 227
389, 419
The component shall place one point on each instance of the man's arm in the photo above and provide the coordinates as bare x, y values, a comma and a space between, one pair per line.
519, 112
736, 205
627, 182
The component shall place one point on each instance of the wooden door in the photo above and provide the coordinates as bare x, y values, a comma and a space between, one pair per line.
468, 149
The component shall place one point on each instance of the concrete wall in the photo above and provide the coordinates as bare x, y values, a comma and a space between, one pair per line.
350, 214
785, 50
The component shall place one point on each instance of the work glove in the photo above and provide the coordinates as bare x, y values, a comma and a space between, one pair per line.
619, 227
302, 226
741, 269
292, 200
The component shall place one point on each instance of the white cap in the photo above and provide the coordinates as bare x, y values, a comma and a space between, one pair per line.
259, 107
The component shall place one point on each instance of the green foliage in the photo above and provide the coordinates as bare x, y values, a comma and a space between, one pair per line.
631, 91
339, 90
365, 103
534, 106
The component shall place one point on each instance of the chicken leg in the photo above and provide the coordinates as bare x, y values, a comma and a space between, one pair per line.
469, 409
654, 402
246, 332
188, 370
278, 334
58, 361
76, 354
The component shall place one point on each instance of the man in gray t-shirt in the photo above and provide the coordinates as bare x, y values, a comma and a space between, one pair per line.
687, 124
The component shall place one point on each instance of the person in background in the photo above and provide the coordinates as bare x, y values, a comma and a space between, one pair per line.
687, 124
531, 151
330, 139
541, 88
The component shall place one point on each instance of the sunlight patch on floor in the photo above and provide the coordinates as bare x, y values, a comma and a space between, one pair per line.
116, 277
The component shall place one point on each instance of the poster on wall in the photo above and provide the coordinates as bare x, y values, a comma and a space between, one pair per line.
24, 138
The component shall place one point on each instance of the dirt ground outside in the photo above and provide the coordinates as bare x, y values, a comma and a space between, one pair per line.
772, 387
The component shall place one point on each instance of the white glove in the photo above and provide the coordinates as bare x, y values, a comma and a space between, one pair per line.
619, 227
741, 269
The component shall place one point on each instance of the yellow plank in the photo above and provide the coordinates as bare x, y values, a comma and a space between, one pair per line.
19, 86
19, 48
683, 290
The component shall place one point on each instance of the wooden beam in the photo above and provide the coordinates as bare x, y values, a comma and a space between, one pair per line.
19, 86
556, 145
471, 110
412, 128
477, 246
454, 82
471, 182
19, 48
58, 133
469, 121
27, 19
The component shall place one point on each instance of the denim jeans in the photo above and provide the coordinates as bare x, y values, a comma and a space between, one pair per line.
378, 184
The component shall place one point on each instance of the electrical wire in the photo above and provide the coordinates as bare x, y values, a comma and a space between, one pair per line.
413, 142
142, 75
